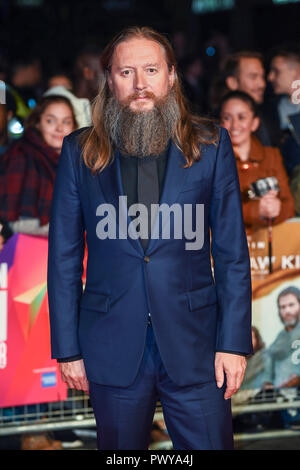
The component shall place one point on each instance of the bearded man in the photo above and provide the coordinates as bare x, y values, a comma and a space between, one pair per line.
284, 351
156, 321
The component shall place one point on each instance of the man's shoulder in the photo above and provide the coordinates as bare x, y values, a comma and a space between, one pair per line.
207, 126
74, 138
72, 148
210, 135
223, 134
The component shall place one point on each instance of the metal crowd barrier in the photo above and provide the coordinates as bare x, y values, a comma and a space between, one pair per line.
76, 413
267, 401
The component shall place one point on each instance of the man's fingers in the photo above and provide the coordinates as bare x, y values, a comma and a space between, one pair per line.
219, 374
231, 386
233, 366
69, 381
233, 383
79, 383
73, 373
83, 384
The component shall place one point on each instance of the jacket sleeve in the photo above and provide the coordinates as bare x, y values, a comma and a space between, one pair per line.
65, 255
230, 255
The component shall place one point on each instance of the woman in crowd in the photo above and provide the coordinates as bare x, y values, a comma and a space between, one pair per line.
30, 164
26, 187
238, 115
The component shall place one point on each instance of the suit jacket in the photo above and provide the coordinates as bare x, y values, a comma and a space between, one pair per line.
195, 309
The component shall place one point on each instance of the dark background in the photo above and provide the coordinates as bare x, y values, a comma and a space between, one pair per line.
55, 30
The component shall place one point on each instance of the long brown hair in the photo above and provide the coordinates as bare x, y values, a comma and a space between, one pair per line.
191, 131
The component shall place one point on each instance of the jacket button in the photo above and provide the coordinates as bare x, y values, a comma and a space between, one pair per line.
146, 259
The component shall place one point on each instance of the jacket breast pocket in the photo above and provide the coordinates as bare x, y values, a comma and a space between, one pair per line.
194, 185
195, 192
202, 297
94, 301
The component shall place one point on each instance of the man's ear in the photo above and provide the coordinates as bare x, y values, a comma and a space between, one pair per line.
232, 83
109, 81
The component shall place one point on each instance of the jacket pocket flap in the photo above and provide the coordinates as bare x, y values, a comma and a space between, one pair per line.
202, 297
95, 301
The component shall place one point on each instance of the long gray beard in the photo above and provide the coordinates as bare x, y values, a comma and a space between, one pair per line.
142, 133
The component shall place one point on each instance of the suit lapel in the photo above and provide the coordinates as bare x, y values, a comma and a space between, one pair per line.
111, 183
174, 177
173, 182
112, 187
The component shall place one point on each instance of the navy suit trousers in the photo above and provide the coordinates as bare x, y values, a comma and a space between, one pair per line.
197, 417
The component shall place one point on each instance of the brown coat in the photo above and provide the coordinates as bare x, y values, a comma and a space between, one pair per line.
263, 162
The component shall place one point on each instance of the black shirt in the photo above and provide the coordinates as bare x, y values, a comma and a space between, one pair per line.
129, 174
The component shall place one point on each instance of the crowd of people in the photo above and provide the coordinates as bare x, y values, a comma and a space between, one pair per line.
258, 105
34, 120
259, 108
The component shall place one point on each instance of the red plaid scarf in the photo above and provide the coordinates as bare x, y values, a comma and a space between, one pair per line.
27, 178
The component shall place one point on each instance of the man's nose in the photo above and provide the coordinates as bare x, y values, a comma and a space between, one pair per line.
140, 80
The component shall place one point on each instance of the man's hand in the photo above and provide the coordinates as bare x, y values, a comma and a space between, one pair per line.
73, 373
234, 367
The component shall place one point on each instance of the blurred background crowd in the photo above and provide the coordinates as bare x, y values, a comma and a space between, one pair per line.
238, 61
234, 68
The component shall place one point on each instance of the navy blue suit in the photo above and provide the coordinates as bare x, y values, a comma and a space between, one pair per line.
195, 310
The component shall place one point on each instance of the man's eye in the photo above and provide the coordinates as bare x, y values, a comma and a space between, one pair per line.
125, 72
151, 70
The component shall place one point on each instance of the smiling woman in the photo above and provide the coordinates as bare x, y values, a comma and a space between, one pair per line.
30, 164
255, 162
53, 119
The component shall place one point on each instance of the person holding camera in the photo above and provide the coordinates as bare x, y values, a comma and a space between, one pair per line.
263, 179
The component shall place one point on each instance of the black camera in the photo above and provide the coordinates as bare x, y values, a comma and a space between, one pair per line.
262, 186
